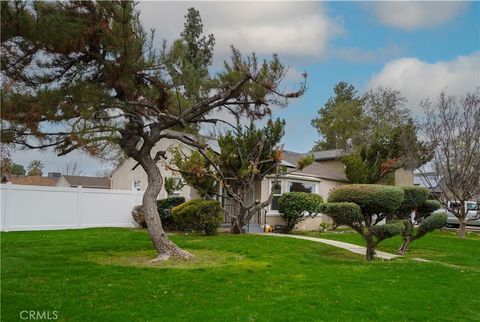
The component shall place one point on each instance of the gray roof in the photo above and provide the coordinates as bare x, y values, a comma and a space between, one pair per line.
327, 154
88, 182
316, 169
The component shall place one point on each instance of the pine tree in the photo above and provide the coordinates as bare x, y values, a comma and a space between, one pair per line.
85, 75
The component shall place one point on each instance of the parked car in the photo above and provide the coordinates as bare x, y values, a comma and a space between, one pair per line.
473, 212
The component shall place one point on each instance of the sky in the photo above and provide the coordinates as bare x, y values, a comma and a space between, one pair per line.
418, 48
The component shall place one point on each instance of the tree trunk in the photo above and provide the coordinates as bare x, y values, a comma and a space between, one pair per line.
404, 248
164, 247
407, 236
370, 255
461, 228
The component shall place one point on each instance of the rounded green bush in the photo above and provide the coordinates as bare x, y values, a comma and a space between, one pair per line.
343, 213
429, 206
199, 215
372, 199
164, 207
292, 205
429, 224
413, 197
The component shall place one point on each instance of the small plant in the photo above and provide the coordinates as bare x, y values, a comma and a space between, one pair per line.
297, 206
199, 215
325, 227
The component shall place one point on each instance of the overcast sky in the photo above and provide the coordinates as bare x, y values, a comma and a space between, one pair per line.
418, 48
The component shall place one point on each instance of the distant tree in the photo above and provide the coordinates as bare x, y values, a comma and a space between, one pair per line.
340, 120
72, 168
247, 155
85, 75
362, 207
17, 169
375, 130
8, 167
388, 141
453, 126
35, 168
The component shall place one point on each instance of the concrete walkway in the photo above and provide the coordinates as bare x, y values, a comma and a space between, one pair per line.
350, 247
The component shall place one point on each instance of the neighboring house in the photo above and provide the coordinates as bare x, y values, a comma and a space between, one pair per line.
84, 182
326, 173
30, 180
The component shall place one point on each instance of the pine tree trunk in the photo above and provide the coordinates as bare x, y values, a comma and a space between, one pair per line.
165, 248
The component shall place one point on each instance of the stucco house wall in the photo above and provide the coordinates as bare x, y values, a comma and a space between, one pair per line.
322, 187
123, 177
62, 182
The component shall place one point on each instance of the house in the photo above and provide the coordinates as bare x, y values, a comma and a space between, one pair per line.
30, 180
84, 182
326, 173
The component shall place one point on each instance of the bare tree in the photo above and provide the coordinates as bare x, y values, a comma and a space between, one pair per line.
72, 168
453, 127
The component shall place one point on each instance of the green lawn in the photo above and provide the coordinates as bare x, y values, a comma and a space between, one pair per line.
440, 246
103, 275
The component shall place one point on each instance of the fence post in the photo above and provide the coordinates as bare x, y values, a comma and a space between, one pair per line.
8, 207
78, 214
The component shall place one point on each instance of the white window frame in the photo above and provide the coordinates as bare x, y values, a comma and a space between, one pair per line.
134, 187
284, 184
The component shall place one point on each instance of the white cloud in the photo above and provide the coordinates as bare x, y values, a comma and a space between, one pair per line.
358, 55
296, 29
418, 80
411, 15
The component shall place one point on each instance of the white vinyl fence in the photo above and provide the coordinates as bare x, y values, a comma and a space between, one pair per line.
43, 208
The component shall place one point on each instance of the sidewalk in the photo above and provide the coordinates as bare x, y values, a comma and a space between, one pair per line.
350, 247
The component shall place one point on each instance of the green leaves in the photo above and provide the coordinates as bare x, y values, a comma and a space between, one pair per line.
343, 213
372, 199
293, 204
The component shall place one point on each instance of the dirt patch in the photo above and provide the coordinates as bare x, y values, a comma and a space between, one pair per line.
203, 258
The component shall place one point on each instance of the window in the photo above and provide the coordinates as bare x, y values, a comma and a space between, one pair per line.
296, 186
472, 206
277, 192
136, 185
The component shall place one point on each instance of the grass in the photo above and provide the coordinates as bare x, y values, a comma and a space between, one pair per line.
441, 246
104, 275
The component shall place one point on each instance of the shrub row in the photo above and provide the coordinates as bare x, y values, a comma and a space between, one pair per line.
194, 215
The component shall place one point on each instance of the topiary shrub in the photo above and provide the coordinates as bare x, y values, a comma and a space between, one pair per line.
164, 207
372, 198
294, 207
416, 198
363, 207
429, 223
343, 213
199, 215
